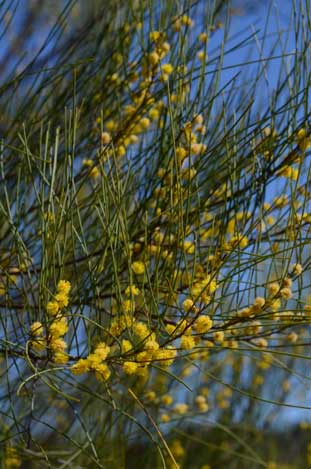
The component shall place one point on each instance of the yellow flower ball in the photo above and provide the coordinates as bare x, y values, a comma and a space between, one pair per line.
203, 324
138, 267
130, 368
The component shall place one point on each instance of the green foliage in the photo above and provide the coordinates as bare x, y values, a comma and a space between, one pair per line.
154, 238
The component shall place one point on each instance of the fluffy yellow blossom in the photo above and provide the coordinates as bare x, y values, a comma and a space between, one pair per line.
105, 138
260, 342
60, 358
287, 282
289, 172
273, 288
102, 350
203, 407
141, 330
258, 304
3, 288
126, 346
203, 37
188, 247
62, 299
121, 150
258, 380
36, 329
270, 220
143, 372
52, 308
127, 306
82, 366
296, 269
12, 459
166, 356
303, 140
144, 123
167, 399
132, 290
266, 362
203, 324
57, 344
183, 327
239, 240
117, 326
94, 360
202, 55
254, 328
186, 20
177, 449
181, 153
180, 408
165, 418
64, 286
188, 305
280, 201
102, 372
200, 399
130, 368
203, 289
171, 329
154, 36
151, 345
144, 357
94, 172
187, 342
286, 293
167, 69
154, 58
244, 313
150, 396
138, 267
176, 24
197, 148
58, 328
188, 174
292, 337
163, 49
154, 114
38, 344
219, 336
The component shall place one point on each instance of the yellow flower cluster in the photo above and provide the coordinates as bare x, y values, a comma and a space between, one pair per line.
94, 171
94, 362
165, 356
289, 172
11, 279
201, 403
180, 21
138, 267
61, 298
58, 327
202, 289
132, 290
203, 324
303, 139
12, 459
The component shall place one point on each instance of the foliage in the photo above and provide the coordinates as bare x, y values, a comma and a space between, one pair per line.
154, 256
